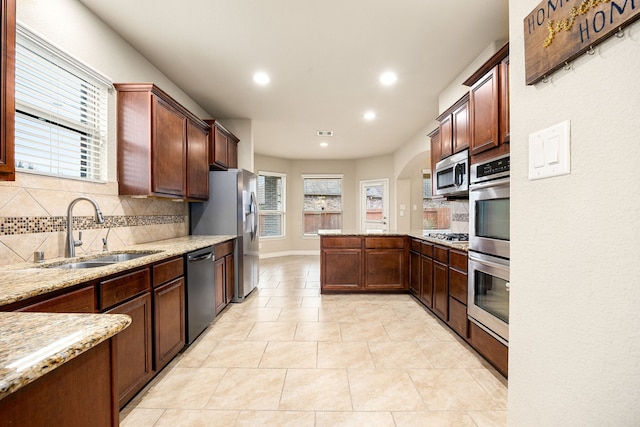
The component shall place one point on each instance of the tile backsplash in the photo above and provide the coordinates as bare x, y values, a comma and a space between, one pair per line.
33, 217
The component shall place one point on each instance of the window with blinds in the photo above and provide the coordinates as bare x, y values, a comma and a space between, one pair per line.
61, 112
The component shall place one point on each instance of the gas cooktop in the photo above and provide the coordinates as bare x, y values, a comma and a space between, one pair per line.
450, 237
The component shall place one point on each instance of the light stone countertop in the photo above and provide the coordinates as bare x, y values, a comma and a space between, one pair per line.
461, 246
22, 281
33, 344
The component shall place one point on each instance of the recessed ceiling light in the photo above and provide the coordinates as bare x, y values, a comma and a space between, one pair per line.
369, 115
388, 78
324, 144
261, 78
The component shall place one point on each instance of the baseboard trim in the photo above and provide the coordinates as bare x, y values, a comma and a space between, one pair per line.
289, 253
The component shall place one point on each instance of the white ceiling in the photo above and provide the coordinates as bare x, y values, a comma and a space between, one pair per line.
324, 58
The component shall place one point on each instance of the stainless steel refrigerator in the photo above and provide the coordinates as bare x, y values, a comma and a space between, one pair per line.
232, 208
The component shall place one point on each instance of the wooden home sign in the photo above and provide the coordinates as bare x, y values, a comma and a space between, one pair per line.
558, 31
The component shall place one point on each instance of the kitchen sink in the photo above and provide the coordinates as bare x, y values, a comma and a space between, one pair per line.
101, 261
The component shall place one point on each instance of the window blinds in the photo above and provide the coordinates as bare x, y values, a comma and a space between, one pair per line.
61, 112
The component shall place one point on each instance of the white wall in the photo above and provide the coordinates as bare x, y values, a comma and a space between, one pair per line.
575, 270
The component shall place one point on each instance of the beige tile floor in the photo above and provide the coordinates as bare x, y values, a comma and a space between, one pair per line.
289, 356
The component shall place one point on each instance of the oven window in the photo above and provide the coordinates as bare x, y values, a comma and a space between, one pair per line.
491, 295
492, 219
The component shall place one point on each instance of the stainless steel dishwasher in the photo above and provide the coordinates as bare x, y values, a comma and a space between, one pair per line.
200, 291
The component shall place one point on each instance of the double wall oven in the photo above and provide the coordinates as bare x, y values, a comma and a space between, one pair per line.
489, 211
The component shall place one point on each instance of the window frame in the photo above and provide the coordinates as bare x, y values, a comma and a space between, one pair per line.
341, 211
282, 212
87, 132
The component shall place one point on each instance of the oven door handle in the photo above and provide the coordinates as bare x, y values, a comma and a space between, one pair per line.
487, 262
496, 183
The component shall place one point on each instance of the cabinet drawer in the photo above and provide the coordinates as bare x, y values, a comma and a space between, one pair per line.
458, 317
223, 249
341, 242
458, 260
458, 285
427, 250
168, 270
78, 301
384, 242
415, 245
441, 254
121, 288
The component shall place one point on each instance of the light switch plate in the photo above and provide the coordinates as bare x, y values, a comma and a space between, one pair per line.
550, 151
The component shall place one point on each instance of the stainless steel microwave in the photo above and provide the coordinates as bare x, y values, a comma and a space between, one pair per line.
452, 175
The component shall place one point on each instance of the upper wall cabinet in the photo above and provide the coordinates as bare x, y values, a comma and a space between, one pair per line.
454, 128
223, 147
162, 147
7, 90
489, 106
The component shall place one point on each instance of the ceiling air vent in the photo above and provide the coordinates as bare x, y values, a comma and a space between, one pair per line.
325, 133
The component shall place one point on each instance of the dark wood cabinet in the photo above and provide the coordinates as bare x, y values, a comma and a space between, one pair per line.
197, 161
441, 290
490, 348
223, 147
156, 140
426, 295
224, 266
7, 90
81, 300
130, 293
458, 285
134, 356
168, 311
415, 268
454, 129
362, 263
489, 107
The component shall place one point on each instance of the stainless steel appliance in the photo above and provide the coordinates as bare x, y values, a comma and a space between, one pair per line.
200, 292
232, 210
489, 234
452, 175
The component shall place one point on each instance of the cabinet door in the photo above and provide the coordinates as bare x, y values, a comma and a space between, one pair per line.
415, 273
460, 119
133, 358
229, 278
232, 154
169, 150
505, 130
427, 281
7, 91
446, 137
440, 289
198, 162
384, 269
168, 316
219, 283
484, 99
220, 148
435, 157
341, 269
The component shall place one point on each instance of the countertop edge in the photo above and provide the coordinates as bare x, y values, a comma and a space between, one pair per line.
13, 376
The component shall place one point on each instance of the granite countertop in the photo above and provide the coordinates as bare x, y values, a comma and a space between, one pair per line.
33, 344
26, 280
461, 246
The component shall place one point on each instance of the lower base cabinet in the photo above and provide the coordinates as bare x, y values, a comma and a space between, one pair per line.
224, 267
76, 394
133, 361
169, 319
493, 350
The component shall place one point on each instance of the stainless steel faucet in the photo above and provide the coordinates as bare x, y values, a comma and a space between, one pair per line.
71, 242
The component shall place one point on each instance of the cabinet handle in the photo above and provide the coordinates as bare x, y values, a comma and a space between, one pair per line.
508, 286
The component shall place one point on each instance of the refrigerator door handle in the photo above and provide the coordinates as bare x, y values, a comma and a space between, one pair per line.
254, 208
